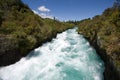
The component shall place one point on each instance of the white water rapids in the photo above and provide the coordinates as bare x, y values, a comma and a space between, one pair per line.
67, 57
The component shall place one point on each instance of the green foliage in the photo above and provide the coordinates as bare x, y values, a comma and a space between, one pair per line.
24, 29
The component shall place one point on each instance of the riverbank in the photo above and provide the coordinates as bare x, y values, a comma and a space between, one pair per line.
22, 31
103, 32
111, 72
14, 55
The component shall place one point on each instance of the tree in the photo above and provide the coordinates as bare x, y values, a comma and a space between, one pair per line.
116, 4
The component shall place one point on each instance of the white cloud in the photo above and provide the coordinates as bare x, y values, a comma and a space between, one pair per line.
43, 15
35, 12
43, 9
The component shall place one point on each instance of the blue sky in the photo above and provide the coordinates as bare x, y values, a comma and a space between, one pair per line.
68, 9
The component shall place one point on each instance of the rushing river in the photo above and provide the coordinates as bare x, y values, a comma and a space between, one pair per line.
67, 57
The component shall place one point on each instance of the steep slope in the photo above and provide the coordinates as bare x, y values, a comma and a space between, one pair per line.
103, 31
21, 30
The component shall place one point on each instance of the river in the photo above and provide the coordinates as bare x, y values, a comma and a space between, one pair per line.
69, 56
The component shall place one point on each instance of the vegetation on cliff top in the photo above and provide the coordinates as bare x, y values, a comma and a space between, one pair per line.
22, 30
106, 29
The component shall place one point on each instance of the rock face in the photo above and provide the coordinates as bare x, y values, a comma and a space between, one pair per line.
8, 52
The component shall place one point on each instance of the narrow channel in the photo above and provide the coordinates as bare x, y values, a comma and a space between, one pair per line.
69, 56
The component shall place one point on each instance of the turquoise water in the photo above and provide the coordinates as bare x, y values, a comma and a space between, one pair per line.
67, 57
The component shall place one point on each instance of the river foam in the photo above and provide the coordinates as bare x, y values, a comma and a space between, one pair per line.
67, 57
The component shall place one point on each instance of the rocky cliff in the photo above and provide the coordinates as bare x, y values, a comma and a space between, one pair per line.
103, 32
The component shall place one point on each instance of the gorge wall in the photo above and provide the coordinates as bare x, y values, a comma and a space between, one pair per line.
103, 32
